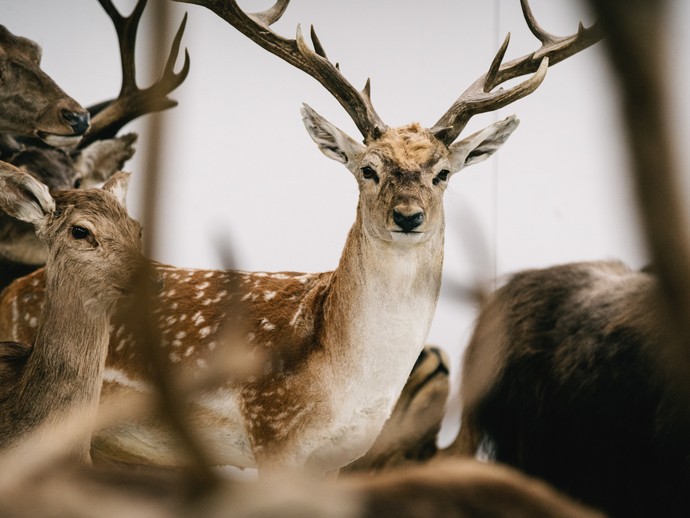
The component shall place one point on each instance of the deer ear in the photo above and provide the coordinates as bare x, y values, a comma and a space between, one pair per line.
481, 145
22, 196
117, 185
98, 161
333, 142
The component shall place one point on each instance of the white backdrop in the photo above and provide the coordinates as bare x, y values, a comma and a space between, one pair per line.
240, 166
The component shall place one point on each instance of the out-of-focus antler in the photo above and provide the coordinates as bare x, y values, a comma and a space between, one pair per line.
109, 117
481, 96
256, 26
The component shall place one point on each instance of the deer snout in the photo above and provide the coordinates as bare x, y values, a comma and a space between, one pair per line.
77, 120
408, 221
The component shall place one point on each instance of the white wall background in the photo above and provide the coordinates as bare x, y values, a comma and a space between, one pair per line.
239, 165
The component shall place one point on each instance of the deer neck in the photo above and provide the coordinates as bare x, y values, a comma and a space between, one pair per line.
64, 372
378, 312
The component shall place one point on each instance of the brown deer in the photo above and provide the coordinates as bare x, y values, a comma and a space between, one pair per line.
95, 157
94, 254
338, 346
31, 104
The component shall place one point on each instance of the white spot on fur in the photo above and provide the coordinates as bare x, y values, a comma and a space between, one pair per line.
204, 332
267, 325
269, 295
297, 314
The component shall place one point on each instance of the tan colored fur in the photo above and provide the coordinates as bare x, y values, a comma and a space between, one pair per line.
61, 374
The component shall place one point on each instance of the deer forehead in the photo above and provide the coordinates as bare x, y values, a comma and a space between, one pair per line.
19, 46
95, 204
410, 148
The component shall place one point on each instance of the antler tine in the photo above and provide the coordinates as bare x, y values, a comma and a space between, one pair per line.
298, 54
126, 28
534, 26
110, 116
272, 14
480, 97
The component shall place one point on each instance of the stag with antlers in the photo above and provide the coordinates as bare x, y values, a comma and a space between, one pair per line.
338, 346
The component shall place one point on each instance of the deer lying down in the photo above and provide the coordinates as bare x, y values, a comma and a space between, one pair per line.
94, 251
567, 378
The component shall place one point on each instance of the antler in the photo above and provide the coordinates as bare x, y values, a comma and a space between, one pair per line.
256, 26
480, 97
109, 117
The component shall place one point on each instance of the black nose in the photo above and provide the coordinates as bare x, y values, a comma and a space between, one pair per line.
78, 121
408, 223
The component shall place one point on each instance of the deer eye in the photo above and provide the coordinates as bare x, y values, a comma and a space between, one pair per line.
80, 232
369, 173
442, 176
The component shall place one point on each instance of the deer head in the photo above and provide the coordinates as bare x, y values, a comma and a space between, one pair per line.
31, 104
402, 172
88, 227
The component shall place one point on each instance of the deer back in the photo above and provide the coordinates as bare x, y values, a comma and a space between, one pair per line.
566, 377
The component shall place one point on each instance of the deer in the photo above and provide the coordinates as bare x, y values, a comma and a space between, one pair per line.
334, 348
84, 161
94, 255
567, 378
31, 103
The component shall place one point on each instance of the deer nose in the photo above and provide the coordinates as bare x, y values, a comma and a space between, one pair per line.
78, 121
408, 223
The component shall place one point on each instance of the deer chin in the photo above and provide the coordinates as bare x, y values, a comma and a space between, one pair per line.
66, 142
408, 238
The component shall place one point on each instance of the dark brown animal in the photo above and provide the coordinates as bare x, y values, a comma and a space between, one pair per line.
566, 378
31, 104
